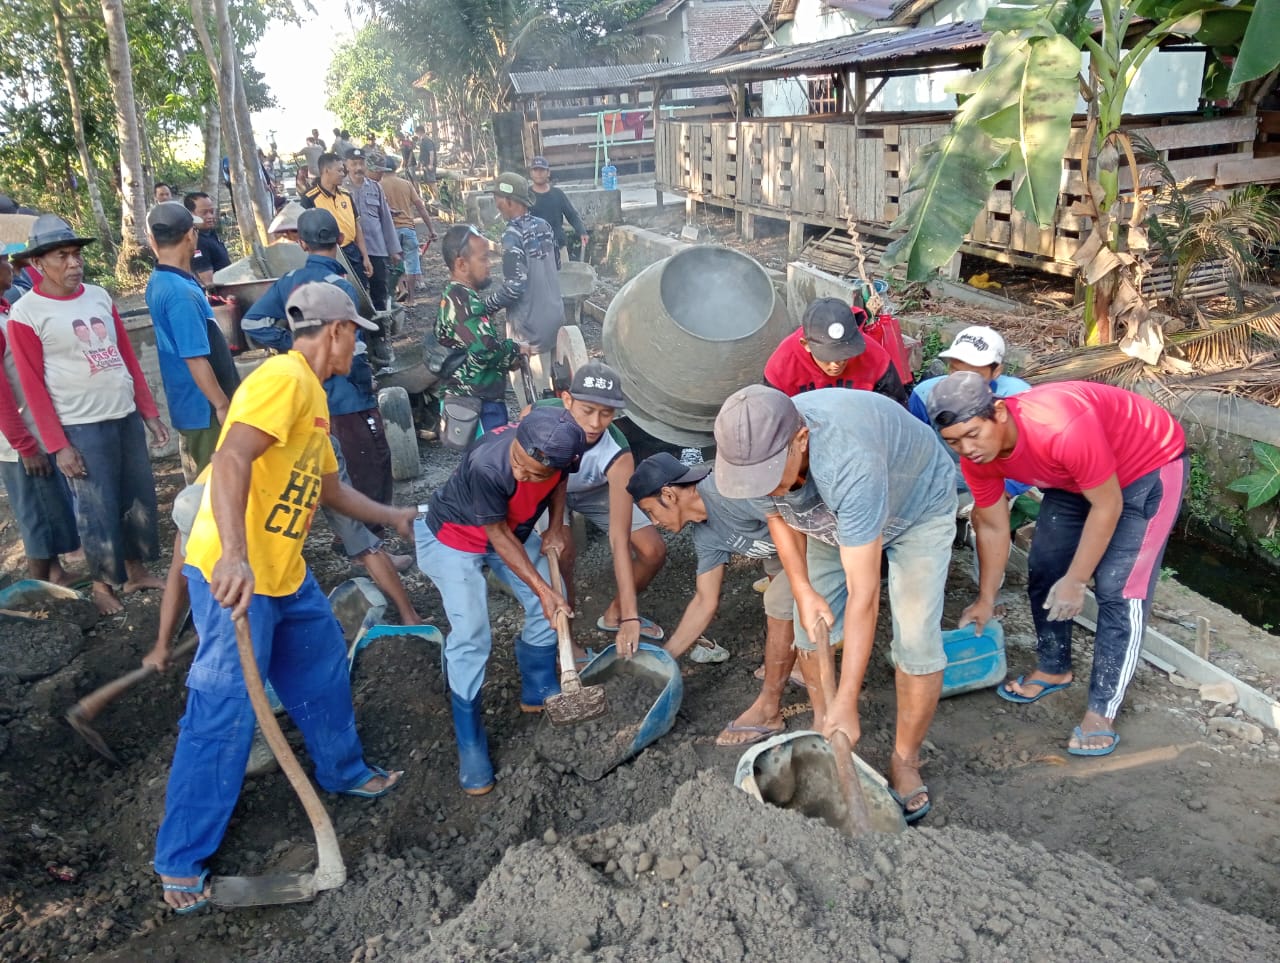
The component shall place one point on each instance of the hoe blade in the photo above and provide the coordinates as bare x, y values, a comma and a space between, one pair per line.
240, 891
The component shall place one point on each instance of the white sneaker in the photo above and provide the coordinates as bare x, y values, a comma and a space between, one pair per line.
708, 652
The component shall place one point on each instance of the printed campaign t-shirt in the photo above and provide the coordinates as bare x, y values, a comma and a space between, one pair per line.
874, 471
75, 361
733, 527
483, 491
1074, 435
284, 399
17, 427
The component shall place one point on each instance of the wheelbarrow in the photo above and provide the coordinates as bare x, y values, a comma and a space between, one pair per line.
797, 771
29, 595
428, 633
650, 666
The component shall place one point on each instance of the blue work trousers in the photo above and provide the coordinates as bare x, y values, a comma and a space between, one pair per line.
300, 649
459, 576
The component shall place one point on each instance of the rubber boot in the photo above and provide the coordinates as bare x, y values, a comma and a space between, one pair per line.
475, 771
539, 676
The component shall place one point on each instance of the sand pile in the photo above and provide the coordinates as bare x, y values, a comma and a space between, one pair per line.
717, 876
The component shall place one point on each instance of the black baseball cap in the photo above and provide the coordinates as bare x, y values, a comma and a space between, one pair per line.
959, 397
552, 437
658, 471
598, 384
831, 329
318, 227
169, 221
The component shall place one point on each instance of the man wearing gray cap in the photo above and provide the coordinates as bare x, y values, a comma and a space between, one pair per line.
1113, 467
90, 401
844, 477
195, 363
273, 466
530, 288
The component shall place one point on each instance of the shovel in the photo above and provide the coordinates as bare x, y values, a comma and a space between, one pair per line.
576, 702
858, 822
330, 873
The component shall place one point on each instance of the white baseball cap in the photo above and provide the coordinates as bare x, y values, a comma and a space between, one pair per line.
979, 346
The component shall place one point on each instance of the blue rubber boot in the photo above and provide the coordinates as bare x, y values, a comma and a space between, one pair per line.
475, 771
538, 675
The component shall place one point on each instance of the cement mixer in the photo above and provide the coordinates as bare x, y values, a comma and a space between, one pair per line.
687, 332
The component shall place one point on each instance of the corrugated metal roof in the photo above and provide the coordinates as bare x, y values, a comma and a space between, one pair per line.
835, 53
579, 79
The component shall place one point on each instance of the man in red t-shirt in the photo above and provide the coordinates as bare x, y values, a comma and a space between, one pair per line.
829, 351
1113, 469
484, 515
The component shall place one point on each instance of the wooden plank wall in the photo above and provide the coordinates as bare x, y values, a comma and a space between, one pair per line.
832, 172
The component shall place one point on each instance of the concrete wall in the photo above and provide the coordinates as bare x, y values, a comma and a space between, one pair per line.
632, 249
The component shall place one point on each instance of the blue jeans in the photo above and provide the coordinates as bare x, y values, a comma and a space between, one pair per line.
116, 503
1122, 583
300, 650
43, 509
459, 576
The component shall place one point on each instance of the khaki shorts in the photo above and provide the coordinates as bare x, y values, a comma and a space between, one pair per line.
779, 603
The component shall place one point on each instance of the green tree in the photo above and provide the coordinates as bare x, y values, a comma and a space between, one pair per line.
370, 82
1014, 121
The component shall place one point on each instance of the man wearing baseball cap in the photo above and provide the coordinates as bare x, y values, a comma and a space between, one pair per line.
404, 200
1113, 467
598, 490
678, 496
848, 476
484, 515
530, 289
979, 349
553, 205
273, 466
828, 350
90, 402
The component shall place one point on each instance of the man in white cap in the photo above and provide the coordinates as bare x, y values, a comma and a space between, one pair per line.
979, 349
90, 401
274, 465
846, 476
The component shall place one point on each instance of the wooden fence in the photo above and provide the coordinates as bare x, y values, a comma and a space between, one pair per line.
831, 172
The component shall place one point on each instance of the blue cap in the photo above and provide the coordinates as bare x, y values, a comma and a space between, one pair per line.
552, 437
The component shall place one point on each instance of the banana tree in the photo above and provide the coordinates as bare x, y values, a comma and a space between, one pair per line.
1014, 123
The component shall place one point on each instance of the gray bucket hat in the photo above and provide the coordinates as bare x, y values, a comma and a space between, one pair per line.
49, 231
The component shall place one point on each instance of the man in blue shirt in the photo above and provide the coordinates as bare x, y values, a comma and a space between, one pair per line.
353, 405
195, 363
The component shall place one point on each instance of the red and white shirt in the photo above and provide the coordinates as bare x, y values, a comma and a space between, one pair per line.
1074, 435
75, 362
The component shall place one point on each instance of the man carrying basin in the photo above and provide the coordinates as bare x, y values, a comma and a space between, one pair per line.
1113, 468
484, 515
274, 464
845, 476
598, 490
675, 495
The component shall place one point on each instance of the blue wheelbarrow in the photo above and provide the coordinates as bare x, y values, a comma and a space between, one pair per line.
29, 595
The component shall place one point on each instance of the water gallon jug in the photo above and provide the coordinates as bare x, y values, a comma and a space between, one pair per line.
609, 177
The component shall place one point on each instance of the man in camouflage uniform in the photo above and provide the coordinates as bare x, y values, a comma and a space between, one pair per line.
464, 322
530, 289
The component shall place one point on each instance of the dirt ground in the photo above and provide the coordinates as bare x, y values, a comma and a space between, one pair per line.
1170, 848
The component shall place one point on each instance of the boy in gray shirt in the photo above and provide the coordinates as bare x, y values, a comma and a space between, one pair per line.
842, 477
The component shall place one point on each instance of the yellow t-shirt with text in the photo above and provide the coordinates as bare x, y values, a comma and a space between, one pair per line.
285, 400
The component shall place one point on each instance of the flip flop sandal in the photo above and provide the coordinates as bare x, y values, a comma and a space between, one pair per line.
795, 678
196, 887
1080, 736
758, 734
1046, 688
591, 654
913, 815
708, 652
648, 629
375, 794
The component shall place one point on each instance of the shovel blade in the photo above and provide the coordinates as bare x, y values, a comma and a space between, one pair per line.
234, 892
575, 703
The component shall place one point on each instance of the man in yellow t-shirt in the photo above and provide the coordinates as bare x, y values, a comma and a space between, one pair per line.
274, 464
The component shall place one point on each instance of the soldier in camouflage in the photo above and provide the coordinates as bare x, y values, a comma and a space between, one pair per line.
465, 322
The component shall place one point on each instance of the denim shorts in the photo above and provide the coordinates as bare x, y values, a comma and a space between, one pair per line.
41, 505
412, 263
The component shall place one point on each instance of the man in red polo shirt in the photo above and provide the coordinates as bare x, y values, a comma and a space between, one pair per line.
1113, 469
829, 351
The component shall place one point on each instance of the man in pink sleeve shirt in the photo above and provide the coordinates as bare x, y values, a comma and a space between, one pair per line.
89, 401
1113, 469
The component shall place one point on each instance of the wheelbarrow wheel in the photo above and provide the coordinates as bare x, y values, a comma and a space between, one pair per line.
402, 438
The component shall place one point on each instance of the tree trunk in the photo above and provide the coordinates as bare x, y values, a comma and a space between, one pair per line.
263, 203
133, 201
148, 159
221, 60
105, 235
211, 128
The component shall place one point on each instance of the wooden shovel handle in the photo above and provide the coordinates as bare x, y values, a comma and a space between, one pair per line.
330, 870
564, 638
97, 700
846, 768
